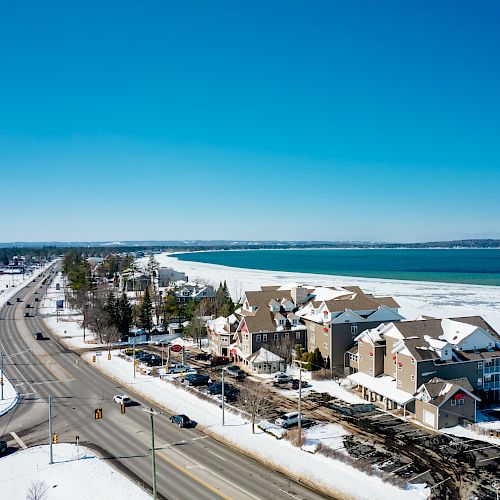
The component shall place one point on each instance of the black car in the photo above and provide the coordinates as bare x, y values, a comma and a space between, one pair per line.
196, 379
216, 388
235, 372
181, 420
202, 356
3, 446
38, 336
296, 383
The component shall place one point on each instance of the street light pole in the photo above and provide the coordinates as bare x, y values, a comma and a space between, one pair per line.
299, 423
51, 461
152, 413
223, 396
1, 371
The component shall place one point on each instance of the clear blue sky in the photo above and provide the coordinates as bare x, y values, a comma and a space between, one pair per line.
327, 120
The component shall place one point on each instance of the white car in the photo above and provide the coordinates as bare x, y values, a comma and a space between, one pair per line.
179, 368
122, 399
288, 420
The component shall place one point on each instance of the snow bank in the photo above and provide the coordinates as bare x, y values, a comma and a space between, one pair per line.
282, 455
10, 396
86, 478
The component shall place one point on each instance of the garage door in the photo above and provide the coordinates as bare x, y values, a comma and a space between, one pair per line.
428, 418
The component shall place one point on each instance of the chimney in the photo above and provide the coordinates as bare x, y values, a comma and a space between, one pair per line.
299, 295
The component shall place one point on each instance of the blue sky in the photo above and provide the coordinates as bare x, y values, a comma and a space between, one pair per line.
249, 120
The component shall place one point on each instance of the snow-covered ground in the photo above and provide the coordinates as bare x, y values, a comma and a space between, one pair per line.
460, 431
415, 297
332, 474
10, 396
67, 326
78, 477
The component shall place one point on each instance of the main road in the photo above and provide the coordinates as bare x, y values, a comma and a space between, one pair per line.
190, 465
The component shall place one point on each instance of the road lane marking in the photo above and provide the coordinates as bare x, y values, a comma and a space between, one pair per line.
53, 381
222, 478
18, 440
194, 477
215, 454
197, 438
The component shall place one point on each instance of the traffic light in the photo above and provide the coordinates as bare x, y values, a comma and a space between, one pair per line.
98, 413
93, 358
1, 380
123, 407
109, 356
54, 438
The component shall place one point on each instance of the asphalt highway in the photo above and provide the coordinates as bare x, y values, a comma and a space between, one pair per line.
189, 464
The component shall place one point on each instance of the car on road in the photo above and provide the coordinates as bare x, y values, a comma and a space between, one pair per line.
219, 361
37, 299
18, 299
39, 336
122, 399
26, 314
3, 446
36, 292
196, 379
181, 420
9, 303
288, 420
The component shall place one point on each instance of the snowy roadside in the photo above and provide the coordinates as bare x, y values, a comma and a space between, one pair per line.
331, 475
10, 396
79, 476
66, 325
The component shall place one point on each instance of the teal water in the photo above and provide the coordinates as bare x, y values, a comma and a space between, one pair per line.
478, 267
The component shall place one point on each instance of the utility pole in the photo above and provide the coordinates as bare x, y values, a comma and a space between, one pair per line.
299, 423
1, 371
152, 413
50, 431
223, 396
133, 356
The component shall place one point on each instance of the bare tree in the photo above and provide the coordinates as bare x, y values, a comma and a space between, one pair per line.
283, 347
255, 399
37, 491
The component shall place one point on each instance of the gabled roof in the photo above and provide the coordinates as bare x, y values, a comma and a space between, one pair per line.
440, 390
264, 356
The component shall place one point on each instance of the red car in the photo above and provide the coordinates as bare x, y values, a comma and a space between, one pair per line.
219, 360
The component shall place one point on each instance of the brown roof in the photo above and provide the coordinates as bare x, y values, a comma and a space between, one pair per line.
436, 385
258, 298
387, 301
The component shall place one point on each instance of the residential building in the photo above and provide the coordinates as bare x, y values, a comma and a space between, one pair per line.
335, 316
391, 362
167, 276
185, 291
220, 333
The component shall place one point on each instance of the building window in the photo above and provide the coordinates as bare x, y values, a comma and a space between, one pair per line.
453, 402
325, 345
399, 383
313, 337
282, 322
275, 336
480, 382
400, 366
354, 329
287, 335
258, 338
297, 335
413, 360
461, 402
480, 366
413, 378
370, 371
313, 326
264, 337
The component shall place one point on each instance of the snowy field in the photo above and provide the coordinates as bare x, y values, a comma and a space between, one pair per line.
415, 297
77, 477
331, 474
10, 396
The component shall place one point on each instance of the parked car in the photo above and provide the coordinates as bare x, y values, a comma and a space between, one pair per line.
181, 420
235, 372
179, 368
296, 383
38, 336
283, 378
196, 379
202, 356
216, 388
122, 399
288, 420
3, 446
219, 361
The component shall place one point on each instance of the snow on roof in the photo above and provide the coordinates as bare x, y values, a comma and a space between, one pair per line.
324, 294
455, 331
435, 344
264, 356
385, 386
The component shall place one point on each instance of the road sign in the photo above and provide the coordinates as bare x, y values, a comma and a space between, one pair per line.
176, 348
98, 353
98, 413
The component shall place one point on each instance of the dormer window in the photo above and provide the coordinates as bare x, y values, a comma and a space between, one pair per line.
281, 322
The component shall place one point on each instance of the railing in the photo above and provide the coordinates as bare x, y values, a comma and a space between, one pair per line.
491, 385
492, 369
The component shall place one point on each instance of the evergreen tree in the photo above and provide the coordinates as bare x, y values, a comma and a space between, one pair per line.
170, 307
125, 315
112, 309
146, 311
